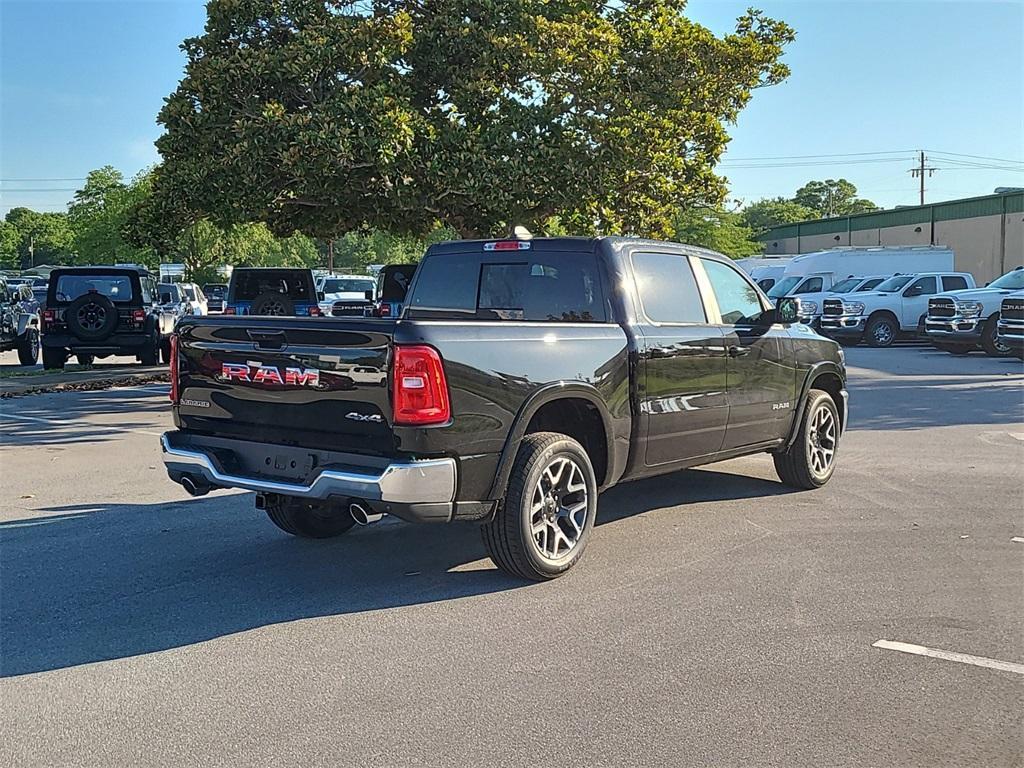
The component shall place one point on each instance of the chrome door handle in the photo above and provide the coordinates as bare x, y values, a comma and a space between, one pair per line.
736, 351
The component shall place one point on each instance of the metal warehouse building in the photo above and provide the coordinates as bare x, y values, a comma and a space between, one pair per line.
986, 233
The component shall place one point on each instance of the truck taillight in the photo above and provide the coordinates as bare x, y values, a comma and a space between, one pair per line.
138, 315
49, 317
175, 394
420, 390
314, 311
385, 310
229, 310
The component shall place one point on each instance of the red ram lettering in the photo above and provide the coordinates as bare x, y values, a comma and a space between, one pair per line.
267, 374
302, 377
234, 371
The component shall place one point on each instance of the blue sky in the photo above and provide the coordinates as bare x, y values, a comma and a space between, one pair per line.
81, 83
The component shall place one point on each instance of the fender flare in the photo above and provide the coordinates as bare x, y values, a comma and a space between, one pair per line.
816, 370
27, 320
549, 393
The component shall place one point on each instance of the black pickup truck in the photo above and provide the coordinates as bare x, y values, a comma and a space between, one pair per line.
522, 378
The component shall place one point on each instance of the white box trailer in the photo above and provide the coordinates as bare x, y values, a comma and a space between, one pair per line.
810, 276
764, 270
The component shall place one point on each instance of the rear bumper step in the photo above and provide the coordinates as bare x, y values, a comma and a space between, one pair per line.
427, 481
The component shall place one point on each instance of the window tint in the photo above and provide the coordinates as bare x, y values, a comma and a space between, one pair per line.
923, 286
953, 283
347, 285
552, 287
737, 299
250, 283
114, 287
667, 288
811, 285
869, 284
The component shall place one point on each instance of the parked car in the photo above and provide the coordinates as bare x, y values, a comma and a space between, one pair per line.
961, 321
347, 295
216, 293
1011, 324
523, 378
101, 311
811, 276
393, 283
196, 299
274, 291
19, 321
897, 307
173, 301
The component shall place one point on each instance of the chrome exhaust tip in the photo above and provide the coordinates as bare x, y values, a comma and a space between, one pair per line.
363, 515
193, 488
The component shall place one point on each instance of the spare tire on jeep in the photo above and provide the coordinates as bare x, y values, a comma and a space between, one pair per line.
273, 303
91, 317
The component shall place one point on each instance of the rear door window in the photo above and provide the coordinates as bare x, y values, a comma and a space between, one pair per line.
667, 288
953, 283
523, 286
810, 285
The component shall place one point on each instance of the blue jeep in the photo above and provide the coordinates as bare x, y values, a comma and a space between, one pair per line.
272, 291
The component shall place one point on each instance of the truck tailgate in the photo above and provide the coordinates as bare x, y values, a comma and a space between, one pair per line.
312, 382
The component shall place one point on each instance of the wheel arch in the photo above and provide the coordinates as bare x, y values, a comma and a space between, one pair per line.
576, 409
829, 377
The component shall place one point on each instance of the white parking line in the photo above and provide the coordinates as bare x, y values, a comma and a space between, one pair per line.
1018, 539
963, 658
55, 423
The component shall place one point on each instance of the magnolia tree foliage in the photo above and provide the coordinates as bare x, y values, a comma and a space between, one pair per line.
326, 116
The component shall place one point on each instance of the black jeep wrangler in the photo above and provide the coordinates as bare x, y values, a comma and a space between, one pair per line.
19, 321
100, 311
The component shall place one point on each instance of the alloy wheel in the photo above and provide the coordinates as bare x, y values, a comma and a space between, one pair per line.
822, 438
559, 508
91, 316
883, 333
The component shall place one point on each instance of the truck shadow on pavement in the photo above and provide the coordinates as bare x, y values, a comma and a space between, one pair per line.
101, 582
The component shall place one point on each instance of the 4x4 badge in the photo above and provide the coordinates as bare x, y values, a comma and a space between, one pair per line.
374, 417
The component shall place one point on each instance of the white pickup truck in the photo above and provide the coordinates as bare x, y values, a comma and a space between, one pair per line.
897, 307
960, 321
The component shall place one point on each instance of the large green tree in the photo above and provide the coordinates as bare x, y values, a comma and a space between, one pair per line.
715, 228
99, 214
832, 197
327, 116
30, 238
762, 215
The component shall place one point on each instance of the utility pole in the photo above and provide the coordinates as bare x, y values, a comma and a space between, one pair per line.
330, 256
919, 173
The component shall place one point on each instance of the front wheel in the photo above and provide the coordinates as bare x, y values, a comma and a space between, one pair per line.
881, 331
309, 520
28, 347
85, 360
544, 522
990, 339
810, 461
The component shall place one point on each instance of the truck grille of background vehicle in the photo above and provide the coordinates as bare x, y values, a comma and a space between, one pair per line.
941, 308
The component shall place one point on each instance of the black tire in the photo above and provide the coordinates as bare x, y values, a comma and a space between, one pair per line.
150, 354
881, 331
54, 358
990, 342
28, 347
954, 349
165, 352
510, 536
796, 465
91, 317
848, 342
273, 304
309, 520
85, 359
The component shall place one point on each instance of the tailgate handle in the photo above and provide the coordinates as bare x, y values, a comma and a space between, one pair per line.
267, 339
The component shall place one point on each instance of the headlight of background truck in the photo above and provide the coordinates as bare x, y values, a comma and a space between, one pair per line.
969, 308
807, 307
853, 307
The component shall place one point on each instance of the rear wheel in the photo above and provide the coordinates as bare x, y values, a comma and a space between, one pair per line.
954, 349
54, 358
544, 522
990, 341
307, 519
28, 347
165, 352
881, 331
84, 359
150, 353
810, 461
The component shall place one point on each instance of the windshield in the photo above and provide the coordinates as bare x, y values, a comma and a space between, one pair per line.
249, 284
114, 287
1012, 280
171, 289
783, 287
215, 291
894, 283
343, 285
870, 284
845, 285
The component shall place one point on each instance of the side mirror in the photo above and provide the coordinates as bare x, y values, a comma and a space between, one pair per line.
368, 295
165, 298
913, 291
787, 310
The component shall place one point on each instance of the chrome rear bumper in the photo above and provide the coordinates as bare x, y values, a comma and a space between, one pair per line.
427, 481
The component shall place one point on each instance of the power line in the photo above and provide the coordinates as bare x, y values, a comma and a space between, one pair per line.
977, 157
63, 178
807, 157
37, 189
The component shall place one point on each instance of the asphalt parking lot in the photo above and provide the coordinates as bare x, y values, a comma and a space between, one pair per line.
718, 617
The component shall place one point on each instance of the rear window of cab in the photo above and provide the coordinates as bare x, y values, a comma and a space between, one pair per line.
115, 287
530, 286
